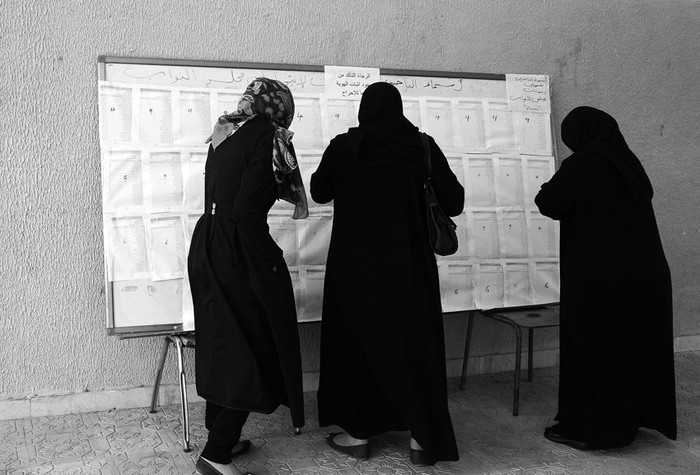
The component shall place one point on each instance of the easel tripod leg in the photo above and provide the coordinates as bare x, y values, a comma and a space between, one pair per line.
159, 373
183, 398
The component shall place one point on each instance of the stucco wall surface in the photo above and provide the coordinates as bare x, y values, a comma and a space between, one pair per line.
637, 59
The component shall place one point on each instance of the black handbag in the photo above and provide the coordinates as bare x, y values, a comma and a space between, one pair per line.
442, 232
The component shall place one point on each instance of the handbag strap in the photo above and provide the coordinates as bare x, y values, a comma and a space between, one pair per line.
426, 152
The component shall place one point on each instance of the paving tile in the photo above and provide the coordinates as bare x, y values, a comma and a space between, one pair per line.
491, 441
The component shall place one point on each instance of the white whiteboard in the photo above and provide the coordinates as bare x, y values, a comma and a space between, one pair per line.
155, 115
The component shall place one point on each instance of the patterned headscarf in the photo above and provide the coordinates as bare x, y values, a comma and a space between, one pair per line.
273, 100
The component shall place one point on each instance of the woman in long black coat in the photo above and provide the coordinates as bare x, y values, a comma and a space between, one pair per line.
382, 343
616, 332
247, 357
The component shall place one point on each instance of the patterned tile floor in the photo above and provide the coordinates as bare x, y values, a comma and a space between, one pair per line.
491, 440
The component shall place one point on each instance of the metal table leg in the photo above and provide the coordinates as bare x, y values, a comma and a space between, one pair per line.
530, 343
467, 342
518, 361
159, 373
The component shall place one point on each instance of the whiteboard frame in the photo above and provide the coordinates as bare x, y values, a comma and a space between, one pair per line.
104, 60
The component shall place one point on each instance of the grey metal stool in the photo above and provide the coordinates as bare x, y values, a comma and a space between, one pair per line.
528, 318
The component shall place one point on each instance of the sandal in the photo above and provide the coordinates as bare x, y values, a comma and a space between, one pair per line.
203, 467
551, 434
357, 451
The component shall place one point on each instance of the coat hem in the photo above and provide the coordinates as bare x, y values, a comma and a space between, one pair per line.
242, 407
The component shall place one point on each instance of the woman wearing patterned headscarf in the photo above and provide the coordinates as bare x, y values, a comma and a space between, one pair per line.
616, 334
247, 357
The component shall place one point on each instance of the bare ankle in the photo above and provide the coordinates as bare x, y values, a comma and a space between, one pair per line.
415, 445
354, 441
227, 469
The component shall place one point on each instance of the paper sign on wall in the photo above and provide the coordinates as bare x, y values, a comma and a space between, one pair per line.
528, 93
348, 82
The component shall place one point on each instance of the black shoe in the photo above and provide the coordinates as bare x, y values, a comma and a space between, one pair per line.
242, 448
357, 451
551, 434
420, 457
205, 468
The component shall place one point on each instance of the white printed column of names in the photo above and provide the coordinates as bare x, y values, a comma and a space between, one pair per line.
313, 295
514, 234
341, 115
482, 186
546, 281
307, 124
471, 121
195, 116
127, 255
439, 123
485, 235
155, 116
166, 187
510, 181
517, 285
167, 245
124, 187
458, 287
116, 116
491, 292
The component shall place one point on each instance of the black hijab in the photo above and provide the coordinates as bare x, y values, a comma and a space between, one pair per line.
589, 130
386, 134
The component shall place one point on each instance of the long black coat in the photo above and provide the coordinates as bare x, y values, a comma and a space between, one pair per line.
247, 354
382, 348
617, 370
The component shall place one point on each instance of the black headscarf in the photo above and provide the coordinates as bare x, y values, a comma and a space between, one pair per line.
589, 130
387, 134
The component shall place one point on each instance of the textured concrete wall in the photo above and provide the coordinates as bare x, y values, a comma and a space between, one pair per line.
637, 59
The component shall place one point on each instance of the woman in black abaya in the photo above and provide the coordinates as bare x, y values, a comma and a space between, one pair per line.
247, 357
382, 342
616, 335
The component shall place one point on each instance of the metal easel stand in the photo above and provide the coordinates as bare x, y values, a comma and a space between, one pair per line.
182, 340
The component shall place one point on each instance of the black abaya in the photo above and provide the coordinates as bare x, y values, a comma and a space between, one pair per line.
616, 344
248, 355
382, 345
